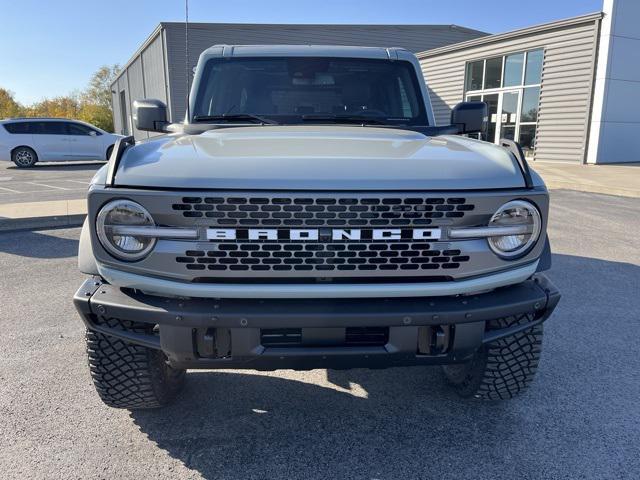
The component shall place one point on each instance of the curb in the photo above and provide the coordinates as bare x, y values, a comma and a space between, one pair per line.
40, 223
39, 215
620, 192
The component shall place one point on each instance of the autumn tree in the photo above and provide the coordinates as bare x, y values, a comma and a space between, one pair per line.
92, 105
8, 106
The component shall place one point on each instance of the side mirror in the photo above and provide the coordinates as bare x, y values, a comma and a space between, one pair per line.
470, 117
150, 115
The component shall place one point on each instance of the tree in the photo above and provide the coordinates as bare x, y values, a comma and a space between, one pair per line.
99, 90
93, 105
8, 106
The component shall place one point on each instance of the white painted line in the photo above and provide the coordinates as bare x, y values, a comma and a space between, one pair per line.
48, 186
78, 181
9, 190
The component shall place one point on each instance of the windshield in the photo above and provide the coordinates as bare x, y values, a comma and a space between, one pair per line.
306, 90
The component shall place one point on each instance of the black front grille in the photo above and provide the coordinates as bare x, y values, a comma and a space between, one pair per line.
311, 211
314, 256
333, 337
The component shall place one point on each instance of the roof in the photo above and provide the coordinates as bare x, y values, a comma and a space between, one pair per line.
499, 37
41, 118
303, 51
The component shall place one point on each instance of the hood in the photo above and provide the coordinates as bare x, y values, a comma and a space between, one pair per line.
317, 158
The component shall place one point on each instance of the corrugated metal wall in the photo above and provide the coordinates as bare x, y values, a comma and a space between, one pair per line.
122, 85
201, 36
567, 78
143, 77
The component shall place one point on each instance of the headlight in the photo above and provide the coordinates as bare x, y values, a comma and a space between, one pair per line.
517, 213
124, 213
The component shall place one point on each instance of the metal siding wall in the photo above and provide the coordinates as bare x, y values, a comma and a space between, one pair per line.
136, 90
565, 95
123, 84
203, 36
153, 73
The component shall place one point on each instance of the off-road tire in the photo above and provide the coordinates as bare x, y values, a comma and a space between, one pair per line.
131, 376
502, 369
24, 157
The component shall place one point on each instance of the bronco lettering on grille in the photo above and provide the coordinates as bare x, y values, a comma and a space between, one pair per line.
323, 234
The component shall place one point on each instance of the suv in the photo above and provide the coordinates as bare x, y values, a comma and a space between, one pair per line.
26, 141
309, 214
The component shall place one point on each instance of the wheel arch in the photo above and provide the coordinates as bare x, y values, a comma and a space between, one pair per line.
13, 149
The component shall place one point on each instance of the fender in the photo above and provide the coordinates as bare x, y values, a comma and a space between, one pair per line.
86, 261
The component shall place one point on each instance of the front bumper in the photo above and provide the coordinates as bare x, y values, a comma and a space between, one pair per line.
313, 333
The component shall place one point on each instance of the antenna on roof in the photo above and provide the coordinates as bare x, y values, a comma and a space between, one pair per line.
186, 54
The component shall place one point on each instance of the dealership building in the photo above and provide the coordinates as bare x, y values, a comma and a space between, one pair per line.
568, 91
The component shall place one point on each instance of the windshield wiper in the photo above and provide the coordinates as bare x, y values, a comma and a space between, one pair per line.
357, 119
234, 117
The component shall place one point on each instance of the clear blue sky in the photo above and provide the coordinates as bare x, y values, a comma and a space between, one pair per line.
51, 47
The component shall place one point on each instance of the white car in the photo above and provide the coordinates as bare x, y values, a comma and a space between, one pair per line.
26, 141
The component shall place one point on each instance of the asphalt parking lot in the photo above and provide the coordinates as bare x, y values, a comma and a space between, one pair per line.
45, 181
581, 418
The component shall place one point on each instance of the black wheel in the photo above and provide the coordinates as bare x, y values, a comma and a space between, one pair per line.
109, 150
501, 369
131, 376
24, 157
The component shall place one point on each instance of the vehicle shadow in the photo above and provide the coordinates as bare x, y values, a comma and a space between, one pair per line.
59, 167
407, 423
38, 245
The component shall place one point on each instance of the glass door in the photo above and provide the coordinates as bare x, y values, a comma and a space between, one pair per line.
491, 99
508, 118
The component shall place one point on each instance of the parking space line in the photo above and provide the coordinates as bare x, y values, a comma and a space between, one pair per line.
48, 186
9, 190
78, 181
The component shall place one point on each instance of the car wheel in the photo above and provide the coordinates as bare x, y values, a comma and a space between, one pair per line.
500, 369
24, 157
109, 150
131, 376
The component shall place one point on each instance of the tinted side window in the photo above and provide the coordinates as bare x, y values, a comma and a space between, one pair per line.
78, 129
17, 127
53, 128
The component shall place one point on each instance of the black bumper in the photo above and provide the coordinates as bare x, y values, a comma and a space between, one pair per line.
303, 334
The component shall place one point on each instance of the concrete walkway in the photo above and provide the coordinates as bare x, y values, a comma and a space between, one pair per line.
37, 215
620, 180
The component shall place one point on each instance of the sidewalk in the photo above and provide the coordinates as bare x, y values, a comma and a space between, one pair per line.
621, 180
35, 215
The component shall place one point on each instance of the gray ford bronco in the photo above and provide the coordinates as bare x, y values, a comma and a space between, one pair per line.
308, 213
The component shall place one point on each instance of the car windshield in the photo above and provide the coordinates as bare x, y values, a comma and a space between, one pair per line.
295, 90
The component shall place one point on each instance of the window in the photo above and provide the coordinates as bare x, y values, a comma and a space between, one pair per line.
17, 127
288, 89
79, 129
493, 73
533, 71
510, 86
474, 75
49, 128
528, 139
530, 102
513, 70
